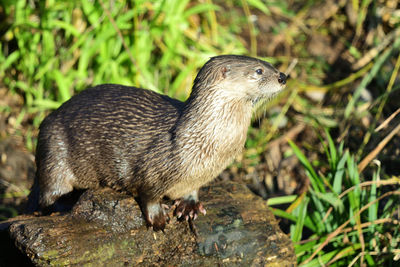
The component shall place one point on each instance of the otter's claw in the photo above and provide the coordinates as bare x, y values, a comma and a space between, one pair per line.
188, 209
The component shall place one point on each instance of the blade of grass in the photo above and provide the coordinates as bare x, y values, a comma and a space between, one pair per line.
283, 214
364, 163
9, 60
354, 196
332, 199
339, 174
373, 210
368, 78
332, 152
301, 215
281, 200
388, 120
314, 179
252, 30
350, 250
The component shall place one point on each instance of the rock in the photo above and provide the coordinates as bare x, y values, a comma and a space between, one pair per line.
106, 228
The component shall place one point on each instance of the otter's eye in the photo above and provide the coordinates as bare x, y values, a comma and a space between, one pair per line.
259, 71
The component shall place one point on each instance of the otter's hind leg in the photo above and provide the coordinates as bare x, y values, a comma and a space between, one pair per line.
154, 212
54, 182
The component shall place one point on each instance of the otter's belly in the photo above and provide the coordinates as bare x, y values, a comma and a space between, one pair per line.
196, 179
184, 187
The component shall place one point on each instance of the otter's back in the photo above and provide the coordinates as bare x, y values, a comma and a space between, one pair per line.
99, 135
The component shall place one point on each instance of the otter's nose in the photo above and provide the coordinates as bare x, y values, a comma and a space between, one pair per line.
282, 78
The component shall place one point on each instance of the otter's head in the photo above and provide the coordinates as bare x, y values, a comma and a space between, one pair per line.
239, 77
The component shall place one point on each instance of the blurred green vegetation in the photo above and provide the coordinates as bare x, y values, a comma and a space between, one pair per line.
69, 45
343, 59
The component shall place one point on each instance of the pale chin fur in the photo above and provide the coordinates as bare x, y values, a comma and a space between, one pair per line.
259, 101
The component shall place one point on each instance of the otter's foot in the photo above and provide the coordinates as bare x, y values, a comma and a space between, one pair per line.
188, 207
156, 216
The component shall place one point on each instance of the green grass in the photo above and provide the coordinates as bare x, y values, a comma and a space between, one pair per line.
344, 218
51, 50
66, 46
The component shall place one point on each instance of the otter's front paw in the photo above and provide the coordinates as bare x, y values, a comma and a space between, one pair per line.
156, 216
188, 209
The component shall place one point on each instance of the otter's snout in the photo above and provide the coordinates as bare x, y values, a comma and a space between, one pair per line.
282, 78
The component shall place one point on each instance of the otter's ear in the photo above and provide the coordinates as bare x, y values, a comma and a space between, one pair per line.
224, 70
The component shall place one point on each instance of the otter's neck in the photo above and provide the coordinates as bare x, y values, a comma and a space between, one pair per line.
213, 125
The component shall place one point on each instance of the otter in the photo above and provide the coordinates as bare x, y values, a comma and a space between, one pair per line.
150, 145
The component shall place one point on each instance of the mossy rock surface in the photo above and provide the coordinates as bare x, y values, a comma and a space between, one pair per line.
106, 228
